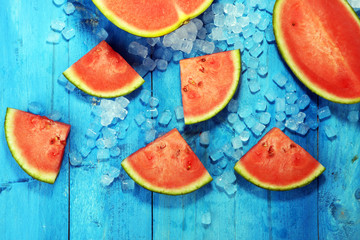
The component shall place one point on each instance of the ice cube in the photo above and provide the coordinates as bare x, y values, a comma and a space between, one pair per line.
258, 37
250, 121
122, 101
139, 119
258, 129
113, 172
153, 102
53, 38
353, 116
251, 73
291, 124
280, 116
330, 132
127, 185
114, 151
291, 97
290, 87
280, 105
103, 154
208, 17
265, 118
300, 117
138, 49
217, 8
253, 62
291, 109
233, 106
236, 142
58, 3
324, 113
153, 41
260, 105
75, 158
216, 156
264, 22
206, 219
161, 64
230, 189
223, 163
62, 80
57, 25
280, 80
36, 108
205, 138
68, 33
254, 18
208, 47
248, 31
145, 96
55, 116
152, 113
245, 136
165, 118
245, 111
262, 70
230, 20
232, 118
149, 64
179, 113
303, 102
102, 34
240, 7
150, 123
269, 34
85, 151
106, 180
303, 129
177, 56
150, 136
270, 95
69, 8
254, 86
219, 20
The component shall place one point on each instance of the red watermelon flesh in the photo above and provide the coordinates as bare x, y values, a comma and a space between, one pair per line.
102, 72
320, 41
278, 163
208, 83
167, 165
37, 143
151, 18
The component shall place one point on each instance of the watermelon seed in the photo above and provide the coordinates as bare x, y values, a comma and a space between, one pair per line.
202, 69
162, 145
203, 60
200, 84
185, 88
52, 141
271, 151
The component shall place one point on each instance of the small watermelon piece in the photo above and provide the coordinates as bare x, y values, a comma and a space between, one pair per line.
320, 41
151, 18
167, 165
277, 163
102, 72
208, 83
36, 143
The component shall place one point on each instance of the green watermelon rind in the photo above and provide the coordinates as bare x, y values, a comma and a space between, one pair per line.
237, 72
75, 79
183, 19
245, 174
17, 155
205, 179
297, 71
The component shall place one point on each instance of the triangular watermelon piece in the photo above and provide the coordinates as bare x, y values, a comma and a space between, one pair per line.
208, 83
102, 72
278, 163
167, 165
37, 143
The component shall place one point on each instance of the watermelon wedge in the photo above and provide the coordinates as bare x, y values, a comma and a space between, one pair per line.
167, 165
102, 72
208, 83
151, 18
277, 163
36, 143
320, 41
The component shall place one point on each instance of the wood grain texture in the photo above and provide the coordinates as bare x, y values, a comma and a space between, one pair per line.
78, 207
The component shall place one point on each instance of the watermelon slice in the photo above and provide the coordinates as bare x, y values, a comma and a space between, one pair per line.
320, 41
102, 72
36, 143
208, 83
151, 18
277, 163
167, 165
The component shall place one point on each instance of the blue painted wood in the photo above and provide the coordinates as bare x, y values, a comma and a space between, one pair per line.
77, 206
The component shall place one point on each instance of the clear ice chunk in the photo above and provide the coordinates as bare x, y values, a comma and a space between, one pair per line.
150, 136
245, 136
68, 33
280, 80
139, 119
75, 158
165, 118
236, 142
138, 49
149, 64
303, 129
280, 116
330, 132
103, 154
353, 116
55, 116
324, 113
260, 105
206, 219
114, 151
127, 185
145, 96
58, 3
106, 180
280, 105
265, 118
69, 8
216, 156
53, 38
179, 113
57, 25
161, 64
205, 138
254, 86
291, 97
36, 108
303, 102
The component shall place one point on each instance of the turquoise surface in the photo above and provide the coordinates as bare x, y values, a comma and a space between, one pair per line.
78, 207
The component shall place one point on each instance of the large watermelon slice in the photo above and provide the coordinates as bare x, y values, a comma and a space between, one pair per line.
320, 41
208, 83
167, 165
102, 72
277, 163
151, 18
37, 143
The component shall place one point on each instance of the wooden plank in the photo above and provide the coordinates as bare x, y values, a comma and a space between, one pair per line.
96, 211
30, 208
339, 210
295, 210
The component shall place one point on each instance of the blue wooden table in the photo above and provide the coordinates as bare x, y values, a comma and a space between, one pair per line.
78, 207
